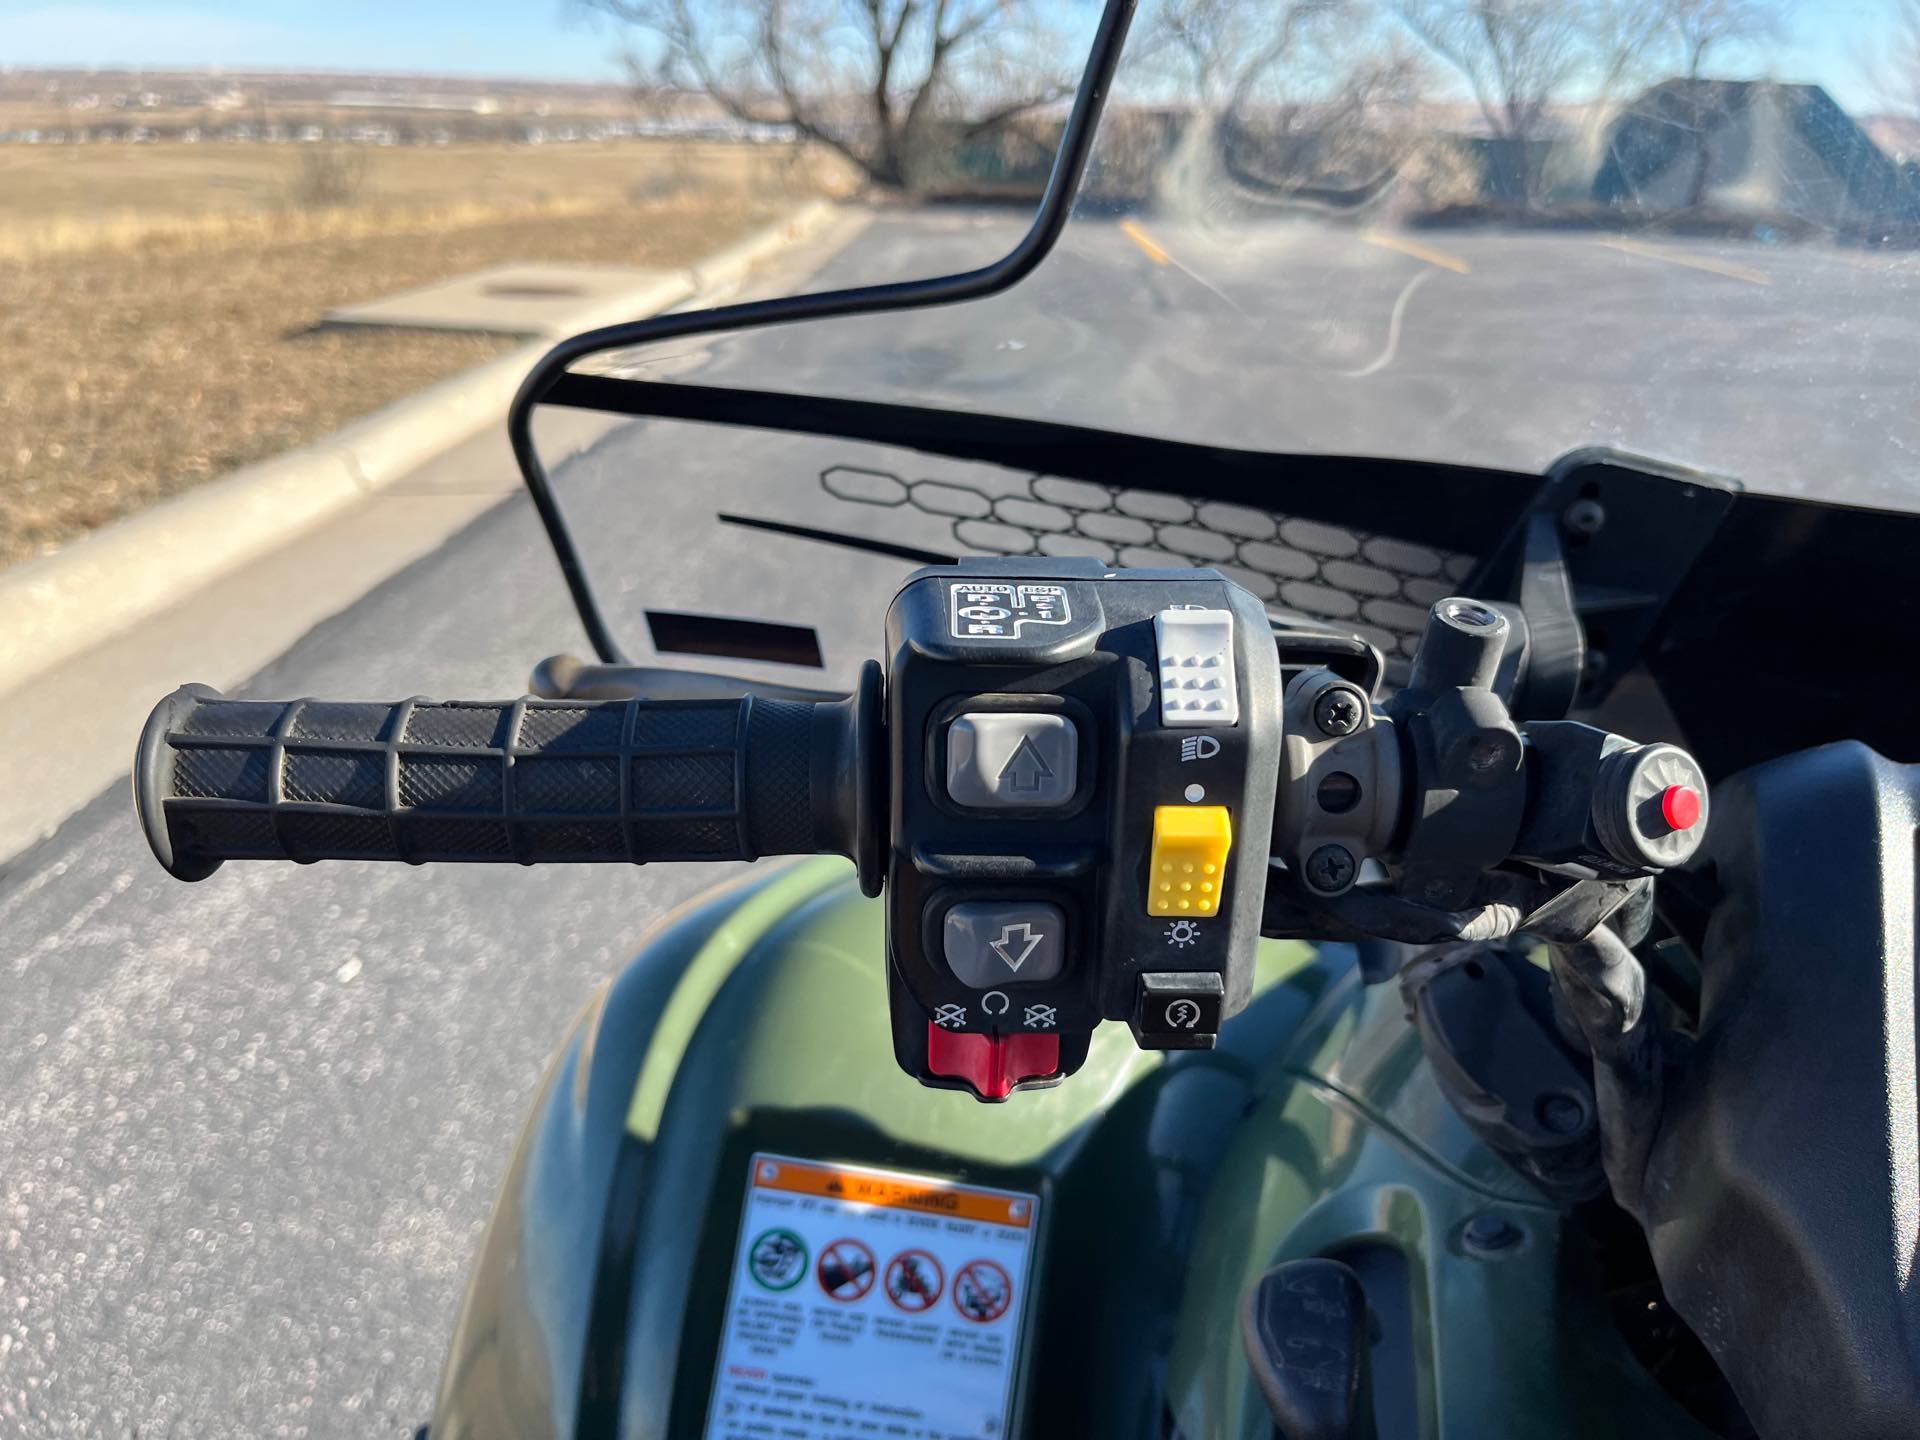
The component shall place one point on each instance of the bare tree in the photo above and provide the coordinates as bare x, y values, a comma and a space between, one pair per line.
1693, 29
867, 78
1906, 60
1697, 27
1217, 49
1517, 57
1338, 136
1286, 95
1628, 38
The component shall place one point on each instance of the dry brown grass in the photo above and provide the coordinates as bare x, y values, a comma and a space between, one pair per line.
142, 356
57, 200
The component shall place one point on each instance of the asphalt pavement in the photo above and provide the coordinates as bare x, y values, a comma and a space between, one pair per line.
250, 1129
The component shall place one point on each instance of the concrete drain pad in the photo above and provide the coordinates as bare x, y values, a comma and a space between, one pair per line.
525, 299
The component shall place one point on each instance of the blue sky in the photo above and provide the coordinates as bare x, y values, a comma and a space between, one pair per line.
541, 38
1832, 42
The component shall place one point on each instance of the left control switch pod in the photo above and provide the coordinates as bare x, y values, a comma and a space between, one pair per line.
1081, 773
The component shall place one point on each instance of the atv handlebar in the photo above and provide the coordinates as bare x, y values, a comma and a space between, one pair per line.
523, 780
1076, 794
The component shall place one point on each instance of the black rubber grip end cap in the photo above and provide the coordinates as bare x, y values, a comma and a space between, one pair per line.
153, 780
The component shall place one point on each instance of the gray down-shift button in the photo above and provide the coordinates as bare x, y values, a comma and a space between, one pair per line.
1010, 760
990, 943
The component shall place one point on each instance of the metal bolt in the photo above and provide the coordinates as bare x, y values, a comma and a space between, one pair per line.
1490, 1233
1489, 754
1470, 613
1330, 868
1338, 712
1584, 517
1560, 1113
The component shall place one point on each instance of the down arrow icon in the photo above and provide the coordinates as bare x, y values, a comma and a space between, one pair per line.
1003, 946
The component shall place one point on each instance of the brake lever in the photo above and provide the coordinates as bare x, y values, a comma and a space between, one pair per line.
1575, 913
1504, 904
1500, 906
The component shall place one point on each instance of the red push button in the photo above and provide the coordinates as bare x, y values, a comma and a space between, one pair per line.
991, 1064
1680, 807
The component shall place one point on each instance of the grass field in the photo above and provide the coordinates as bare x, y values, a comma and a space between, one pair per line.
157, 302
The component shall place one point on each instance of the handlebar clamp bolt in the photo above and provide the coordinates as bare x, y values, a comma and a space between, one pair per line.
1338, 712
1584, 517
1330, 869
1489, 1234
1560, 1113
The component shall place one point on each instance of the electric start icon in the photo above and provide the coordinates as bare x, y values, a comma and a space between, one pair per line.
915, 1281
982, 1290
845, 1271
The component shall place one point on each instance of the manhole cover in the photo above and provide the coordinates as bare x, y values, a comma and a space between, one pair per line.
534, 292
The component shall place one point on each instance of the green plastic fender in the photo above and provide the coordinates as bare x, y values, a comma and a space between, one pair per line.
1352, 1151
756, 1019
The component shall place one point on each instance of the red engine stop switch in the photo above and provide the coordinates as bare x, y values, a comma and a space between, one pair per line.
991, 1064
1680, 807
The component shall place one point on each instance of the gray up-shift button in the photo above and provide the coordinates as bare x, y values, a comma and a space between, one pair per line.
1004, 760
1001, 759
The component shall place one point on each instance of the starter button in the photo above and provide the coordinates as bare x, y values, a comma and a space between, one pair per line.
1178, 1011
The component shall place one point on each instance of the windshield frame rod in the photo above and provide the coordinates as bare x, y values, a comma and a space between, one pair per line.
1056, 204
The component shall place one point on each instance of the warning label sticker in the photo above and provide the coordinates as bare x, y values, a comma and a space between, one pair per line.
910, 1325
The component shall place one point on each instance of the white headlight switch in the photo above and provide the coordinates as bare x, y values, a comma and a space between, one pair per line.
1196, 667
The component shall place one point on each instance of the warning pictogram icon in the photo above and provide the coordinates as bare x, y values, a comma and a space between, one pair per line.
777, 1259
845, 1270
915, 1280
982, 1291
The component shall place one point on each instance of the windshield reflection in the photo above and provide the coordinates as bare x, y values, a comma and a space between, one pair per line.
1439, 229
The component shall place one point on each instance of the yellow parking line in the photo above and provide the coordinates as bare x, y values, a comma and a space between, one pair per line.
1881, 262
1691, 262
1419, 252
1145, 241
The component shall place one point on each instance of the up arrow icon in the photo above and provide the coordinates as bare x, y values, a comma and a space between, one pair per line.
1025, 768
1003, 947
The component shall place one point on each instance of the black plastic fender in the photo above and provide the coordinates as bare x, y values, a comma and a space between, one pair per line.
1782, 1193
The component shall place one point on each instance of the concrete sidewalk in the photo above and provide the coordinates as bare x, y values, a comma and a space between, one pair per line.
86, 650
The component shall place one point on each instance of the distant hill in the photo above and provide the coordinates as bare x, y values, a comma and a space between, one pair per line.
69, 106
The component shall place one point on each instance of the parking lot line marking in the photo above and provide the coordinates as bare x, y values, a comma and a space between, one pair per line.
1691, 262
1146, 242
1160, 255
1419, 252
1878, 261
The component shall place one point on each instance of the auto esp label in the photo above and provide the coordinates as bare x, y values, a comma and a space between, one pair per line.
995, 610
867, 1302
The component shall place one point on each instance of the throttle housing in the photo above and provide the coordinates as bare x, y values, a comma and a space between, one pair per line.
1069, 791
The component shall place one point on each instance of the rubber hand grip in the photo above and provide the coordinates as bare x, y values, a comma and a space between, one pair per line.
528, 781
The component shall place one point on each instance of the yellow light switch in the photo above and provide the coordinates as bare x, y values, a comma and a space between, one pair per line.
1190, 845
